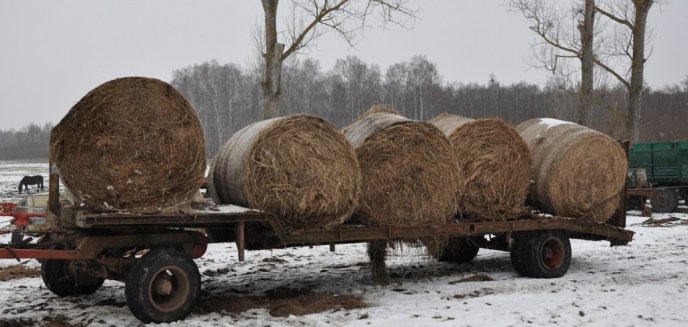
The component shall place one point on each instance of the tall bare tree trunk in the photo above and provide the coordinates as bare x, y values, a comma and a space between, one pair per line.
270, 84
642, 7
586, 29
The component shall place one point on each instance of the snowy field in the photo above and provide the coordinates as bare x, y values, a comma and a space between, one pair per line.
642, 284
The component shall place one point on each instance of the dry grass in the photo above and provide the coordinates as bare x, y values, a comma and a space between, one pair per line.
496, 164
474, 278
281, 302
58, 321
133, 144
299, 168
18, 271
577, 172
409, 169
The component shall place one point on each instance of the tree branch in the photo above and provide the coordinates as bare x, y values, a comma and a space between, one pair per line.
553, 43
614, 18
320, 14
613, 73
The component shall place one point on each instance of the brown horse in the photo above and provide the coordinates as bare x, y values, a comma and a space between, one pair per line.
31, 180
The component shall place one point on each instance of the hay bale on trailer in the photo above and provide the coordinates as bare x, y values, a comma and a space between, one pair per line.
496, 164
577, 171
131, 144
300, 168
409, 169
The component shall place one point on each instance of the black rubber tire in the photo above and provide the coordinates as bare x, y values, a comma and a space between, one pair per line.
665, 200
518, 258
541, 254
176, 272
57, 279
683, 195
459, 250
634, 203
17, 237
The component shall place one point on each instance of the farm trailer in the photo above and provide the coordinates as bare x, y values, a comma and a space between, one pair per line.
153, 254
659, 172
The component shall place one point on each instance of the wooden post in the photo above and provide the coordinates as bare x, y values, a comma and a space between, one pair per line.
240, 240
331, 247
53, 189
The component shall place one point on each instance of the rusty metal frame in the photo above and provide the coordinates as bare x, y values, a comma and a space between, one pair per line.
617, 235
205, 219
92, 247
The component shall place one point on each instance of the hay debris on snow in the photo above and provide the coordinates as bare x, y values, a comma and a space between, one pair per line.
577, 172
496, 164
132, 144
409, 169
299, 168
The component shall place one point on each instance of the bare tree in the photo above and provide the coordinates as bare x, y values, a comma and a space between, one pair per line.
309, 20
564, 35
628, 44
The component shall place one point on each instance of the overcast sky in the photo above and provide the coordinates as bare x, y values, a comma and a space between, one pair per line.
53, 52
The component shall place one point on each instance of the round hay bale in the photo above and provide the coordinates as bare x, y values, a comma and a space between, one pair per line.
496, 165
577, 172
409, 169
133, 144
300, 168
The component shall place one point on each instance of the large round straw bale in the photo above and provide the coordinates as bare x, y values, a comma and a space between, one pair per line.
133, 144
300, 168
495, 162
409, 169
577, 172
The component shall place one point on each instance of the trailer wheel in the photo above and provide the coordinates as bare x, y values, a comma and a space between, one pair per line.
17, 237
541, 254
459, 250
162, 286
664, 200
60, 280
634, 202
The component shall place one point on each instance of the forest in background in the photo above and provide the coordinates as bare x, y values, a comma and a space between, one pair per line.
29, 142
227, 98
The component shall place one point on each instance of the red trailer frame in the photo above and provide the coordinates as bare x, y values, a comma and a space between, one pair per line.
81, 248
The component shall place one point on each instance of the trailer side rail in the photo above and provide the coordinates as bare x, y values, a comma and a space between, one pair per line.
204, 219
349, 234
616, 235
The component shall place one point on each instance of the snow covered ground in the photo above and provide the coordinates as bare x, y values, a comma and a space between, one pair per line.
642, 284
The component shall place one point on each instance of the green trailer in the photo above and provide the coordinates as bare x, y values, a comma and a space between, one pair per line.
665, 166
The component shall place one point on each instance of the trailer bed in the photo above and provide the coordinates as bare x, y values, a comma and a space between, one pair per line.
231, 216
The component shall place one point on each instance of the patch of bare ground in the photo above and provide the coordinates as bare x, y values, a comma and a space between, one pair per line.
58, 321
18, 271
48, 321
16, 322
281, 302
474, 278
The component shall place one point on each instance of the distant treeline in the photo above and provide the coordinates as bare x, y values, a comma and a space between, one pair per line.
227, 98
29, 142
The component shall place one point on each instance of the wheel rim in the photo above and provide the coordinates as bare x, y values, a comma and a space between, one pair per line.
552, 253
169, 289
